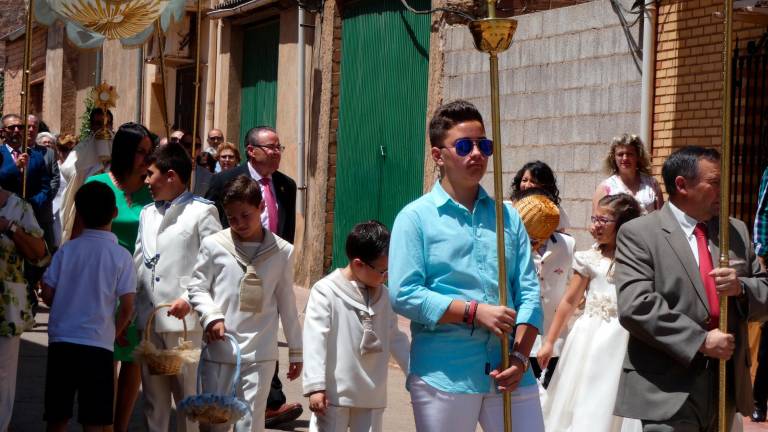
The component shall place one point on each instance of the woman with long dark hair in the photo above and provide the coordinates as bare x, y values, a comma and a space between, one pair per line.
130, 148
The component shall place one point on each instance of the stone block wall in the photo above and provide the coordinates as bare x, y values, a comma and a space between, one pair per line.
568, 85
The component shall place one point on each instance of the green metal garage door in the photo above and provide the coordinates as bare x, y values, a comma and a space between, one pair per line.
258, 98
382, 114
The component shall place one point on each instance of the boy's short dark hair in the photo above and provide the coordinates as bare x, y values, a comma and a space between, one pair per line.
242, 189
172, 157
449, 115
367, 241
95, 204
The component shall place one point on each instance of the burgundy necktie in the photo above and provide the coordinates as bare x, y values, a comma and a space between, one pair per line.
705, 267
269, 200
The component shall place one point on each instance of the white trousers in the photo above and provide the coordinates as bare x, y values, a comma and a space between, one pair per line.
158, 390
439, 411
341, 419
253, 388
9, 362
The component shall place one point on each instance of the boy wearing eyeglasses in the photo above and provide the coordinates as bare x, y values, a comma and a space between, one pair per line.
349, 332
443, 276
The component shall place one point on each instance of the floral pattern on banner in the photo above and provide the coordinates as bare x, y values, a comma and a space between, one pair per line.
15, 304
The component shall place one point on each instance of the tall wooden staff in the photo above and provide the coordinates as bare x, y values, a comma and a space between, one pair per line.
493, 36
25, 90
198, 38
725, 192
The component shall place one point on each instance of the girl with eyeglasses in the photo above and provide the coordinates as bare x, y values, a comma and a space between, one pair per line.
583, 389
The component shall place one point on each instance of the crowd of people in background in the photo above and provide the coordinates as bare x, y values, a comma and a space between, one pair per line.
620, 336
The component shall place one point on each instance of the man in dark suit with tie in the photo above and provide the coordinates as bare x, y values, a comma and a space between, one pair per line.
279, 195
39, 191
669, 286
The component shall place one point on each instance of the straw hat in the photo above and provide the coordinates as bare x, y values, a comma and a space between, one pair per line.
540, 216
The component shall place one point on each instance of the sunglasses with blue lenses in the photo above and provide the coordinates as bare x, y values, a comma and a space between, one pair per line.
464, 146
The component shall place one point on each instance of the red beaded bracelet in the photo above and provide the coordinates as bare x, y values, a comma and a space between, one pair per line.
472, 313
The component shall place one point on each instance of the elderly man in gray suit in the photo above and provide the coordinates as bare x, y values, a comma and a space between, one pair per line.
668, 282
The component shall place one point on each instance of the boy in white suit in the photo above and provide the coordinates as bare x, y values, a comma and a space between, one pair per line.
170, 230
241, 285
349, 332
553, 256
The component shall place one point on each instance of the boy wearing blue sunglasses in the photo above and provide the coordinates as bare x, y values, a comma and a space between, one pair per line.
443, 275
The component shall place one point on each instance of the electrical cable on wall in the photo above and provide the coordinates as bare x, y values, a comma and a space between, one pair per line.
438, 9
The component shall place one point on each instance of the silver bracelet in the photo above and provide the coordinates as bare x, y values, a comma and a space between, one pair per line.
523, 359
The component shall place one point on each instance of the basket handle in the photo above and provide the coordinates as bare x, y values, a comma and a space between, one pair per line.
235, 378
151, 319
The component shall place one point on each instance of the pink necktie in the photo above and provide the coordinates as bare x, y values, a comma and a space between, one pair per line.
705, 267
269, 199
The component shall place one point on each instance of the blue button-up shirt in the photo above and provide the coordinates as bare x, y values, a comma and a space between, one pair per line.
439, 252
760, 234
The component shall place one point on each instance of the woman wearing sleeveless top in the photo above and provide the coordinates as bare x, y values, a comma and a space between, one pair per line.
630, 171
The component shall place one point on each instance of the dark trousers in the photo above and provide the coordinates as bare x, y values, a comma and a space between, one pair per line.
276, 397
550, 370
698, 413
760, 387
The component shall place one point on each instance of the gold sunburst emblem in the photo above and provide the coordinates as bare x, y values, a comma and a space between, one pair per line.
104, 96
115, 19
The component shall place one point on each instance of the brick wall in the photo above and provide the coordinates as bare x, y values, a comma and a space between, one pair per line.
12, 17
689, 65
568, 85
14, 51
331, 182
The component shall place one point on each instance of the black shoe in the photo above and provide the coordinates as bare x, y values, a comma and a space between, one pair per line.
759, 413
287, 412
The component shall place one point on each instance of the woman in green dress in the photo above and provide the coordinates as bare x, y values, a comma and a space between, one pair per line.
130, 147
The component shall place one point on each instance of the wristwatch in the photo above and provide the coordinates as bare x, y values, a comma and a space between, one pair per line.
11, 230
522, 359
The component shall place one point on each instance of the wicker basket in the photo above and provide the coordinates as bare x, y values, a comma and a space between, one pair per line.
164, 362
209, 408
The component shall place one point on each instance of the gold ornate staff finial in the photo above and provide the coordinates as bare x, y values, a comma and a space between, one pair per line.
104, 97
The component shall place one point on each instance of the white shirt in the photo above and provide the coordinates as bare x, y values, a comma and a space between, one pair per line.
88, 275
256, 176
688, 224
554, 271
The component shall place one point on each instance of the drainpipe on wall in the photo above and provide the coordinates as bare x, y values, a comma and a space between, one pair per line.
99, 61
302, 187
649, 74
139, 83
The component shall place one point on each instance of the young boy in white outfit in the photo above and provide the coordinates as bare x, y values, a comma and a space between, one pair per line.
349, 332
242, 283
87, 277
553, 256
169, 229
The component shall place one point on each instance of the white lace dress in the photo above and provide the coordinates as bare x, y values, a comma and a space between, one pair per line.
647, 195
582, 393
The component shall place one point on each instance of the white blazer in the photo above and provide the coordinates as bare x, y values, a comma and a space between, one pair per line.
214, 292
333, 333
166, 250
554, 269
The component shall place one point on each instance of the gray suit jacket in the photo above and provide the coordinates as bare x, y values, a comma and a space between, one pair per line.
663, 304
